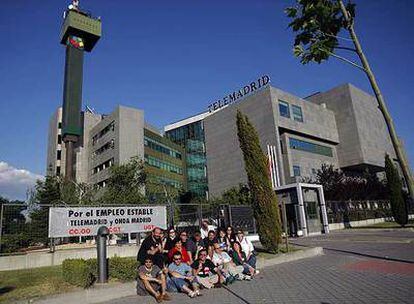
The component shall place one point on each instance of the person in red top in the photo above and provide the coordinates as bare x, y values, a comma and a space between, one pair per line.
178, 247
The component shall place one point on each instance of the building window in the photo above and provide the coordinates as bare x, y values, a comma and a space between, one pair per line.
314, 171
59, 139
296, 171
59, 155
297, 113
284, 109
58, 170
159, 147
310, 147
60, 125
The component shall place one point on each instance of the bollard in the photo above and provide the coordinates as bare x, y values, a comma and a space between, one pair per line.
103, 232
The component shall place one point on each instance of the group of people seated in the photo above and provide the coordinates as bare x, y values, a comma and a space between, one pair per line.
176, 262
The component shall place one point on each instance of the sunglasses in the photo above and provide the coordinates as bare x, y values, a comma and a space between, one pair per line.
177, 259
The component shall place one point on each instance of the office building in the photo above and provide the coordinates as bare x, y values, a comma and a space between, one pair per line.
342, 127
113, 139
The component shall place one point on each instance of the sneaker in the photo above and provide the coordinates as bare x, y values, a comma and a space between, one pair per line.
256, 272
192, 294
247, 278
198, 293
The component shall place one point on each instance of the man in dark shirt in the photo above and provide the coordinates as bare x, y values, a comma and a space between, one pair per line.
206, 273
188, 244
152, 246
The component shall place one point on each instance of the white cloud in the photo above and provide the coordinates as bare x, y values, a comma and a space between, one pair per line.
15, 182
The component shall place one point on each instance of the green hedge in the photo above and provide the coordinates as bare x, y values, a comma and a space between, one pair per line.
83, 273
78, 272
123, 269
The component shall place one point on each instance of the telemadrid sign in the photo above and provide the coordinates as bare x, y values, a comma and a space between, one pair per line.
236, 95
85, 221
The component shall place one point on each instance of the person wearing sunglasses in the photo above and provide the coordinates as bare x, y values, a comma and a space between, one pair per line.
182, 277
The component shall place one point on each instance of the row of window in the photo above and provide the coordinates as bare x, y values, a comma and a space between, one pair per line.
298, 144
284, 111
109, 145
108, 128
103, 166
169, 182
156, 146
155, 162
296, 171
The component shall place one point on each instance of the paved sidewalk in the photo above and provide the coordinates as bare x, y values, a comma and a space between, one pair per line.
331, 278
102, 293
383, 243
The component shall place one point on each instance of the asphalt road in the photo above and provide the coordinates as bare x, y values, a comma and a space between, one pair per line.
335, 277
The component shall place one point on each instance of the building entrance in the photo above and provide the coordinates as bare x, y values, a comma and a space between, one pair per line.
305, 209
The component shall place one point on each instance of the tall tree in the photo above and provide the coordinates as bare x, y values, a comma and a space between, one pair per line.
126, 184
318, 23
265, 206
394, 185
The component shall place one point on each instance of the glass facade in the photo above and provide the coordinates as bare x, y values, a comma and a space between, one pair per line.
164, 163
191, 137
298, 144
154, 145
284, 109
167, 166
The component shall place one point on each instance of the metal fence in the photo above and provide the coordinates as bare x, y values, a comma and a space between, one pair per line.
24, 228
347, 211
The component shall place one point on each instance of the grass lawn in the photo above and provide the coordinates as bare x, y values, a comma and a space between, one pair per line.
282, 249
386, 225
31, 283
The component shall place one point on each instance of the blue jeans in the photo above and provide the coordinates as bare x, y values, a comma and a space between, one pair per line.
179, 283
252, 261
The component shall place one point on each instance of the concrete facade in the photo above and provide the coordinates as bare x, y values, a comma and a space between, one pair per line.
56, 151
117, 138
363, 136
225, 164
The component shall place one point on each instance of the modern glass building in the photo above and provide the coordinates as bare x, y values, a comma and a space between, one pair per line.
190, 135
164, 164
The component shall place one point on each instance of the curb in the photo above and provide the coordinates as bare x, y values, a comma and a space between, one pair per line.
103, 293
290, 257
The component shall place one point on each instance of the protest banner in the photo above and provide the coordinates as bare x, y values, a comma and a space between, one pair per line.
85, 221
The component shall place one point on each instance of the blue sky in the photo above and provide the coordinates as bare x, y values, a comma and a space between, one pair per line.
173, 58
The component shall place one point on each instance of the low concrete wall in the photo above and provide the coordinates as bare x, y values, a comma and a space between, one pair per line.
42, 259
337, 226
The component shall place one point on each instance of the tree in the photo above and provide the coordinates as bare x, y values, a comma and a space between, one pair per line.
318, 23
234, 196
125, 184
341, 186
264, 203
394, 185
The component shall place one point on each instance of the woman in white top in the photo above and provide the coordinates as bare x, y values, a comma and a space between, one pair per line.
247, 248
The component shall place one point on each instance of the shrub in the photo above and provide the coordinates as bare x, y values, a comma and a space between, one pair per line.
123, 269
78, 272
83, 273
